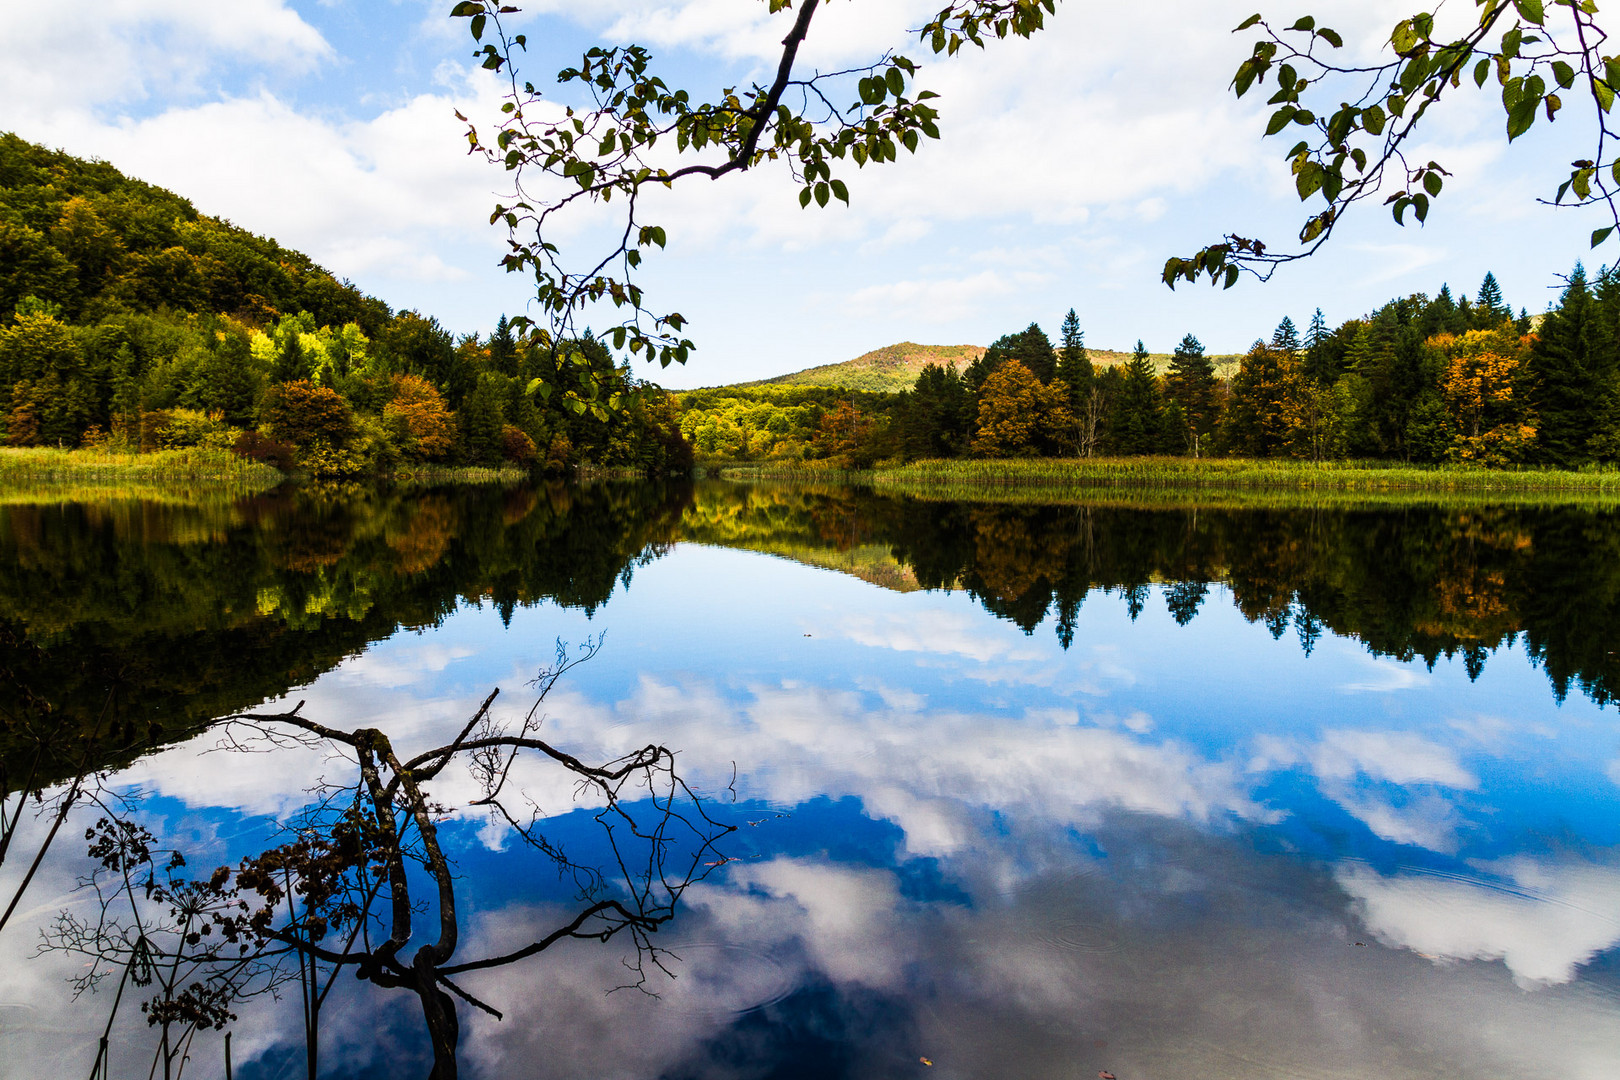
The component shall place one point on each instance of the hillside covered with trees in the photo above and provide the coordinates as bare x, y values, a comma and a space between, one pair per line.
1421, 380
128, 318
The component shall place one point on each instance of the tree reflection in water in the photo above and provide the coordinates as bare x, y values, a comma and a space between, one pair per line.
363, 883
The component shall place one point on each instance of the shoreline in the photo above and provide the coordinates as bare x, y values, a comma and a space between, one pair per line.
1205, 481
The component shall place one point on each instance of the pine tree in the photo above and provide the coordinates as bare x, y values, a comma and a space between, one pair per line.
1318, 339
1489, 309
1286, 337
503, 348
1136, 424
479, 422
1034, 350
1567, 366
1191, 384
290, 364
1074, 369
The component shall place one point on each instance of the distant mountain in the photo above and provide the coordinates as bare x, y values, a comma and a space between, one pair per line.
892, 368
895, 367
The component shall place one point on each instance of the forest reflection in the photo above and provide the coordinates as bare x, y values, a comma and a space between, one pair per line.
1409, 581
140, 622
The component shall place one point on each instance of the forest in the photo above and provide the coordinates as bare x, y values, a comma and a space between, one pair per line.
130, 320
1421, 380
134, 322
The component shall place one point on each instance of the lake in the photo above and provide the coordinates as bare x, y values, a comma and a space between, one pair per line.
1128, 786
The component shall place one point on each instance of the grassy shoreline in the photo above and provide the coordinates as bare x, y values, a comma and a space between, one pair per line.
1242, 474
1164, 482
54, 474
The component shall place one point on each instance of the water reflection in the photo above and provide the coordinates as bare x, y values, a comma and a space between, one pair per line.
1158, 792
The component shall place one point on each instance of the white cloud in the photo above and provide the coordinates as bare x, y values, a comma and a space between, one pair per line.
1401, 757
1541, 919
938, 633
120, 52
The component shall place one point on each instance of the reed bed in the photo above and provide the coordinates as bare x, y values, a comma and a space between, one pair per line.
100, 474
786, 473
1090, 475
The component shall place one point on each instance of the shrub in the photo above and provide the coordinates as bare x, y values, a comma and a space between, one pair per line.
260, 447
303, 414
181, 429
559, 454
516, 446
417, 420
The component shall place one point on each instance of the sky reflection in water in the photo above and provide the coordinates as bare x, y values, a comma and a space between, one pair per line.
1169, 851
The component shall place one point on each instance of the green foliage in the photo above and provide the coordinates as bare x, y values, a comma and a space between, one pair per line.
304, 415
600, 153
1356, 126
122, 308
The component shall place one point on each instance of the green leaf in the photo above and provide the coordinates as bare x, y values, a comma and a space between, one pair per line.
896, 81
1373, 119
1309, 180
1600, 235
840, 192
823, 193
1305, 23
1246, 23
1521, 116
1432, 183
1403, 37
478, 26
1564, 74
1280, 118
1482, 71
1530, 10
804, 197
466, 8
1331, 37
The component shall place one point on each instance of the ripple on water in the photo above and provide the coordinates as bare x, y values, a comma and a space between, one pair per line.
718, 979
1061, 912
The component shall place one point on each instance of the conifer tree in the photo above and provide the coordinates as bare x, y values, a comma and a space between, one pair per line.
1574, 371
1286, 337
1489, 309
290, 364
1191, 384
503, 349
1074, 369
1136, 423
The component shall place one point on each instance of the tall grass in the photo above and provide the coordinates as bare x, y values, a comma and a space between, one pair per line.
1164, 474
785, 472
40, 472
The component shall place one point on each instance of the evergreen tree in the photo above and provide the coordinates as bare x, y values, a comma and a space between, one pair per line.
1192, 385
1074, 369
1286, 337
479, 423
1572, 367
934, 421
1136, 423
1032, 349
290, 365
1490, 310
503, 351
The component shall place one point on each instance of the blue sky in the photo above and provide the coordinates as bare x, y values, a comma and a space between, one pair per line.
1071, 166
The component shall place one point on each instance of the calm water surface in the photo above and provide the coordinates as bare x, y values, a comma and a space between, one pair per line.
1164, 792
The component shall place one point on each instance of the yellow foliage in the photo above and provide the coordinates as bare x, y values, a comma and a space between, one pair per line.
1018, 415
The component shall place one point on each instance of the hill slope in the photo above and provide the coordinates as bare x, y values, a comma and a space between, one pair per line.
889, 369
895, 367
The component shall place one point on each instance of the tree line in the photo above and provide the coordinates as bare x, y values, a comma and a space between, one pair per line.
131, 320
1421, 380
